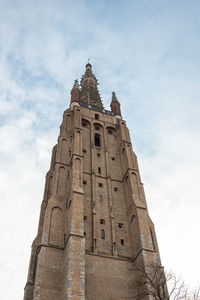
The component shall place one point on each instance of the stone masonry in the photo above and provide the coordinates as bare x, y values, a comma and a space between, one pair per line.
94, 228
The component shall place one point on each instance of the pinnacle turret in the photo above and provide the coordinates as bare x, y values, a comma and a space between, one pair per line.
115, 105
75, 92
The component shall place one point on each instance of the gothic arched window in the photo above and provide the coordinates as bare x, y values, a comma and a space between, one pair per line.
97, 140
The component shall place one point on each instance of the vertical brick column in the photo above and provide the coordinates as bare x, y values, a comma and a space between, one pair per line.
74, 251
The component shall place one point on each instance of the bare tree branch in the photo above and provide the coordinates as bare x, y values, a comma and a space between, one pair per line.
162, 285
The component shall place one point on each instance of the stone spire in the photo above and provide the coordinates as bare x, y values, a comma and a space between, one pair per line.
89, 92
115, 105
75, 92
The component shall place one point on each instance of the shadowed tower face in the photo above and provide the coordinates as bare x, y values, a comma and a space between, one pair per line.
94, 230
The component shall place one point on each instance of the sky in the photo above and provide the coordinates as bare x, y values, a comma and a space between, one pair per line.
148, 52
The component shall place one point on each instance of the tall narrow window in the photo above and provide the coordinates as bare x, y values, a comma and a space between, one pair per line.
101, 197
97, 140
103, 234
99, 170
96, 116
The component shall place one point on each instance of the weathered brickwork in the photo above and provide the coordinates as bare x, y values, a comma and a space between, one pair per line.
94, 229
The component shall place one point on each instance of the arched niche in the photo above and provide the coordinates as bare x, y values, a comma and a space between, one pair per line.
134, 182
110, 130
64, 152
49, 190
78, 141
130, 156
97, 127
68, 122
61, 180
85, 123
123, 129
111, 138
77, 172
78, 115
55, 232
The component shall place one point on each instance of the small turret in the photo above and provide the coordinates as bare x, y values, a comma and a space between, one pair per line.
115, 105
75, 92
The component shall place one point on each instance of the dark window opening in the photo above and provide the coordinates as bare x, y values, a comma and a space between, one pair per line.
122, 242
116, 189
70, 152
96, 127
100, 184
84, 233
103, 234
85, 218
97, 140
99, 170
96, 116
101, 197
84, 182
84, 151
84, 124
120, 225
98, 154
132, 218
110, 131
113, 158
102, 221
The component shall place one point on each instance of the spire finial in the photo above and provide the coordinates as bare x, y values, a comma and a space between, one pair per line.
75, 86
88, 65
114, 97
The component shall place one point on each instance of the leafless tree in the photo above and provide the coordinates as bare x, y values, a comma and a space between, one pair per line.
162, 285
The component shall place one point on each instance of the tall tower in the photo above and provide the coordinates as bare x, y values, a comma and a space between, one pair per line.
94, 229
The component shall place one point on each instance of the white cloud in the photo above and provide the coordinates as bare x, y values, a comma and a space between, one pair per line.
148, 53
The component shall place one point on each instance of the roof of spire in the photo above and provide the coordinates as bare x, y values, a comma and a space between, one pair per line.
76, 86
89, 90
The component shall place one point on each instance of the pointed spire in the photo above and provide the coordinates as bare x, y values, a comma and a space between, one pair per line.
75, 92
76, 85
115, 105
89, 92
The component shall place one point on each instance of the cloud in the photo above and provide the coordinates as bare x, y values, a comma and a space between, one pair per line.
146, 52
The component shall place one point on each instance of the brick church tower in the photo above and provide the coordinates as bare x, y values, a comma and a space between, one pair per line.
94, 228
